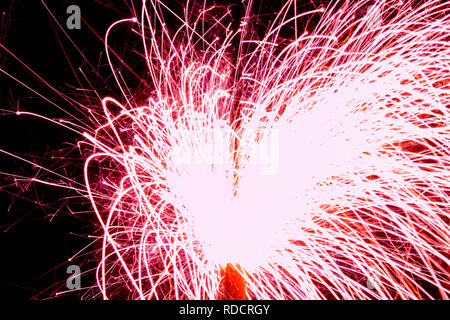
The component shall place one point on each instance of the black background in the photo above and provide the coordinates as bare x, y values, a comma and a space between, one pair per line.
35, 244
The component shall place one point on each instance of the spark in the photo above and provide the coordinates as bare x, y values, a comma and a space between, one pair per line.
320, 171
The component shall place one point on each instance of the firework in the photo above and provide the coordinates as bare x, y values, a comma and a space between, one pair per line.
309, 167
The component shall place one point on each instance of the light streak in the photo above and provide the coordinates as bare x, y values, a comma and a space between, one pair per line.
334, 173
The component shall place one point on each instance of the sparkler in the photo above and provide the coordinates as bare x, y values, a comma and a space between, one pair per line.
321, 166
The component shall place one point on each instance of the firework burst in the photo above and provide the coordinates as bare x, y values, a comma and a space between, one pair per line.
309, 168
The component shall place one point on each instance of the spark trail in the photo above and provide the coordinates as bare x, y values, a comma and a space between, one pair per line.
329, 179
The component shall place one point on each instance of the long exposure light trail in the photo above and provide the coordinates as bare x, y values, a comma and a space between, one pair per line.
321, 171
